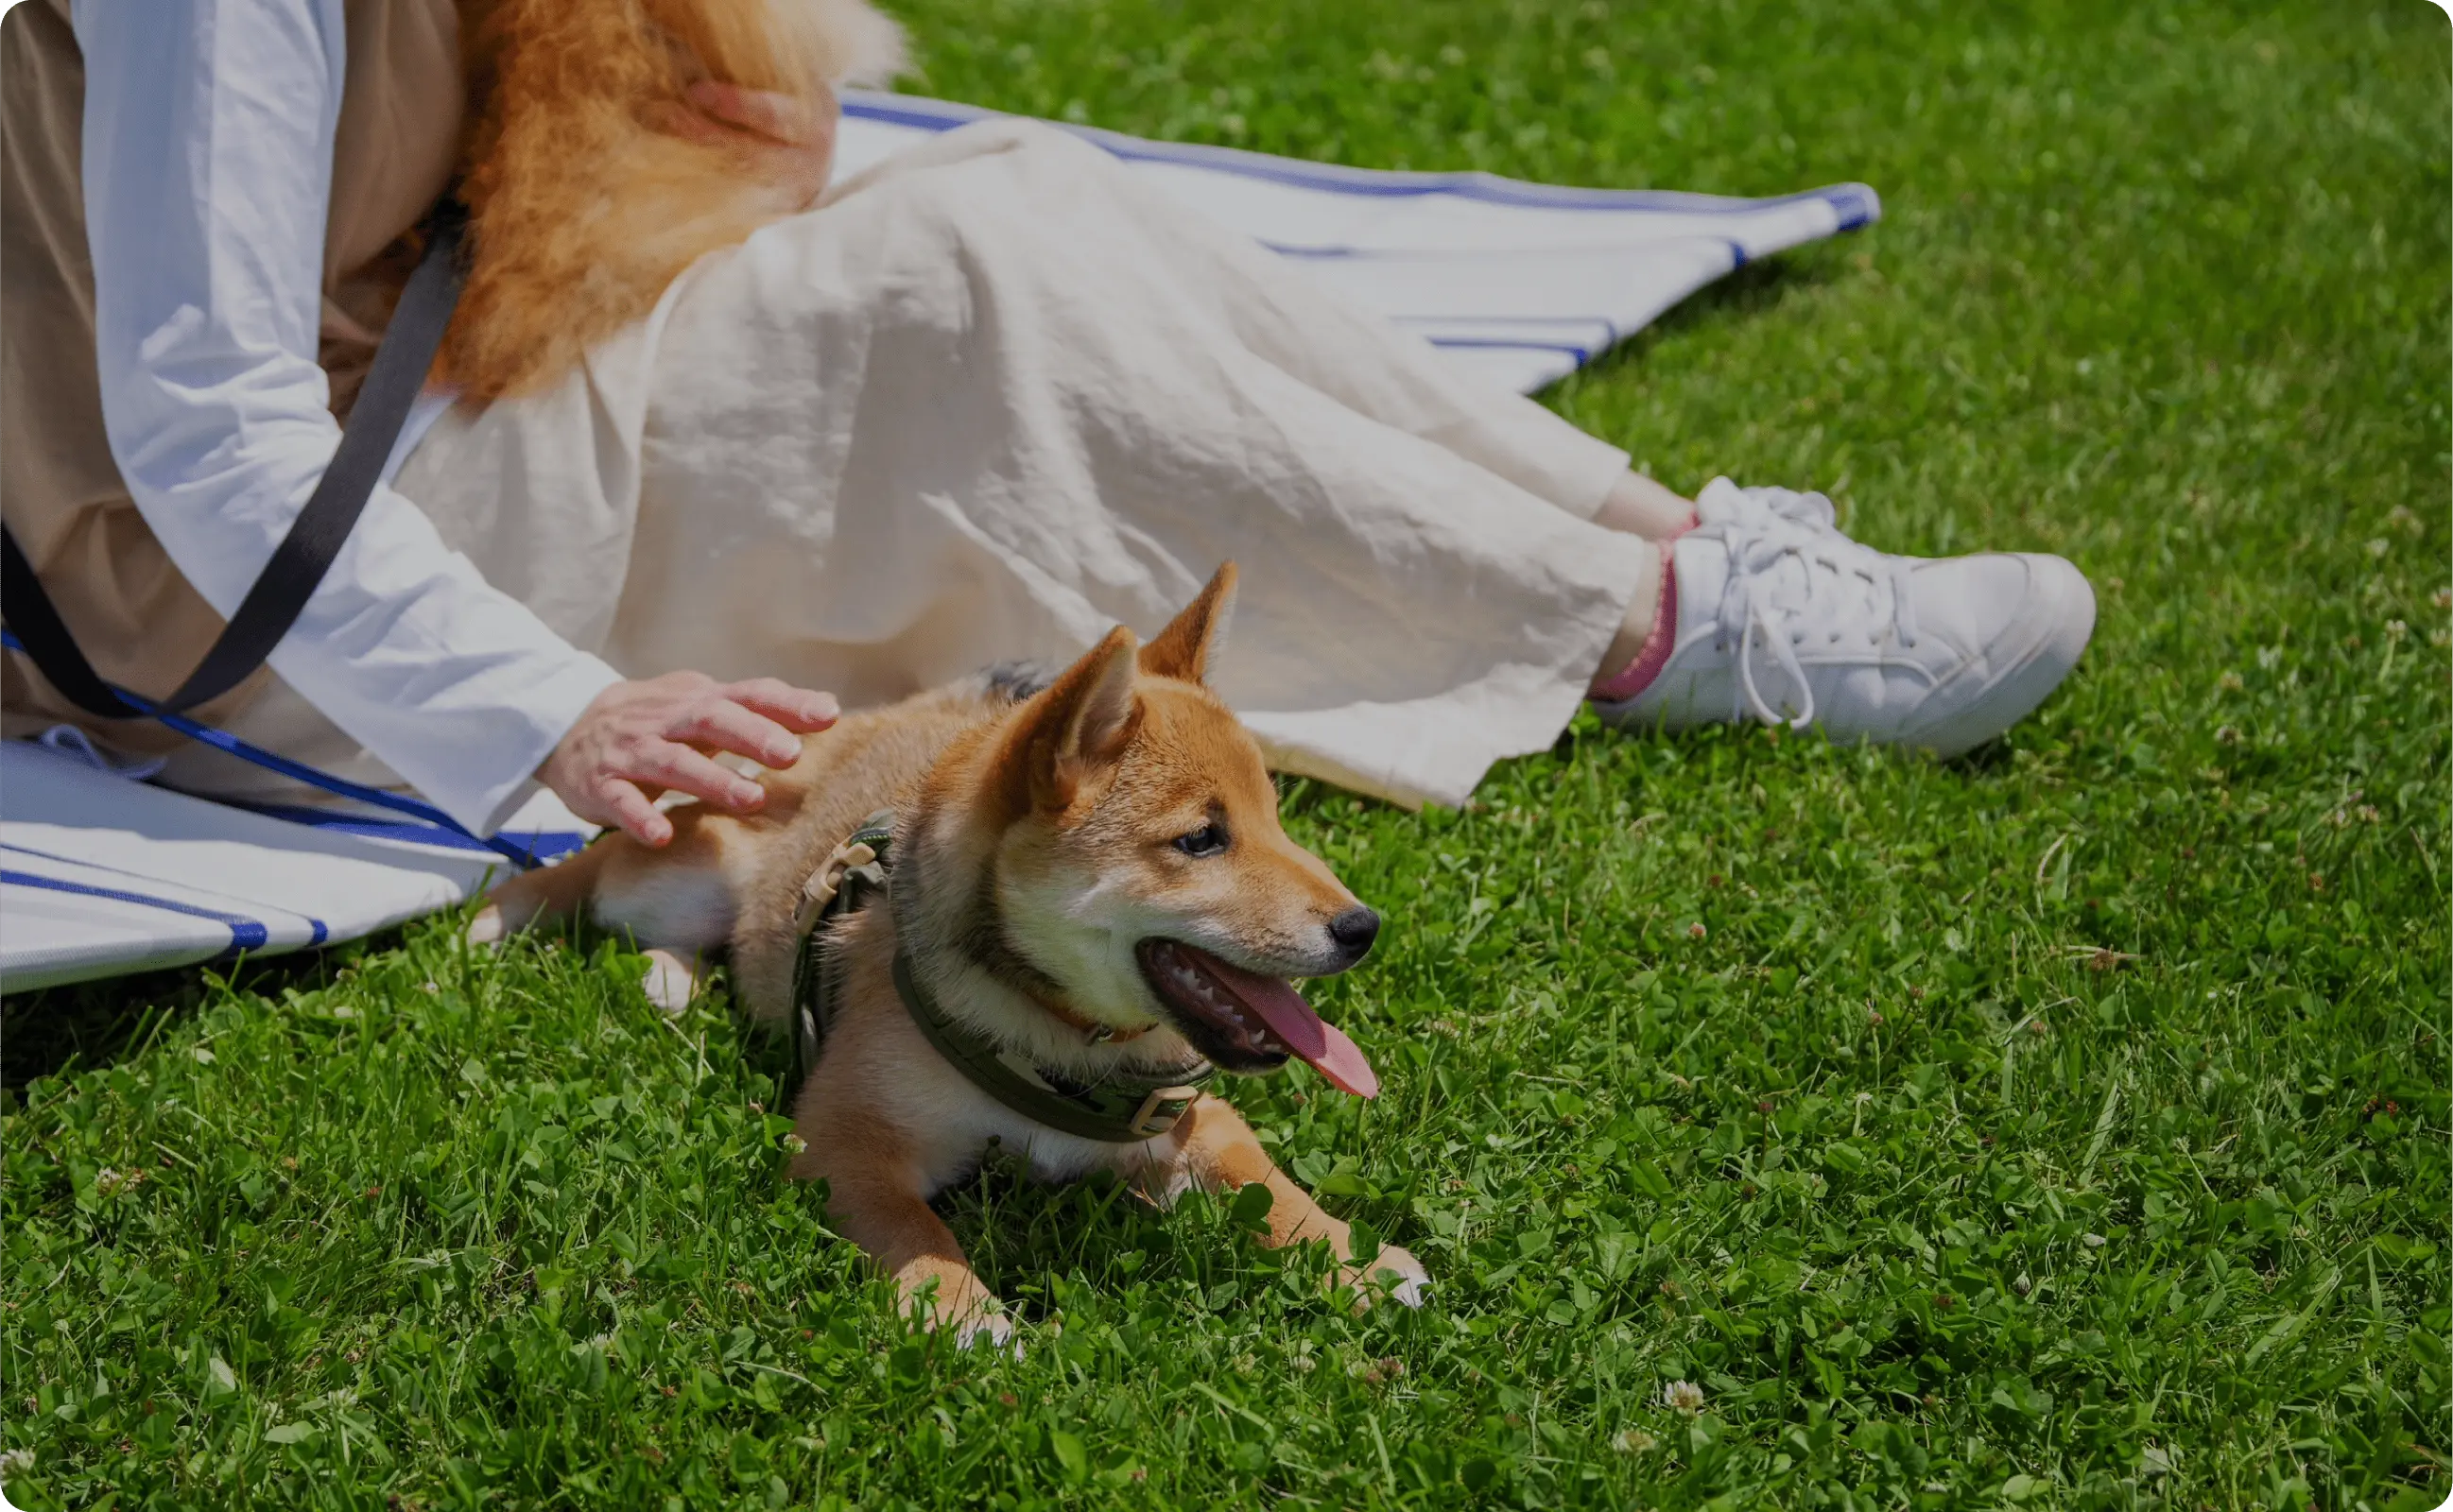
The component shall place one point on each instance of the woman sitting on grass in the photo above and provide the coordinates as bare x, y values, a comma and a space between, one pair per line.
981, 402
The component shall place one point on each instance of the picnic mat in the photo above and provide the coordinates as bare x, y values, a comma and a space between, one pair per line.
1523, 283
102, 873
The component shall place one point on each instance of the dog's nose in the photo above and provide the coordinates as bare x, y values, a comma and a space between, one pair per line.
1355, 929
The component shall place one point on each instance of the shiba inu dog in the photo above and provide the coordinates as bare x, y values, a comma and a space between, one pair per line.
1091, 906
583, 205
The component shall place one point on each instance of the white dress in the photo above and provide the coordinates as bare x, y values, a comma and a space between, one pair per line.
994, 396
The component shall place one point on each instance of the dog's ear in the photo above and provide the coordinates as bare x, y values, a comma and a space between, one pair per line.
1079, 723
1190, 641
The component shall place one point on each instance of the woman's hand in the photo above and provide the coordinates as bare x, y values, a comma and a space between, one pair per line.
789, 142
635, 739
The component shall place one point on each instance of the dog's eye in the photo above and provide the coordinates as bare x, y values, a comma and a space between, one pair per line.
1207, 841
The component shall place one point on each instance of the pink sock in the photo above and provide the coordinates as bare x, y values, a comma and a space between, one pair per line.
1638, 674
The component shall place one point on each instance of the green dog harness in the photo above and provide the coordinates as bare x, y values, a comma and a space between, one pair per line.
1122, 1108
847, 882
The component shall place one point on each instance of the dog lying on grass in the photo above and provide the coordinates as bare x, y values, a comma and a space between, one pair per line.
1090, 885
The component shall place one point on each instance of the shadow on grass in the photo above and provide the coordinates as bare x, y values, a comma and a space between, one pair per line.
57, 1030
1992, 759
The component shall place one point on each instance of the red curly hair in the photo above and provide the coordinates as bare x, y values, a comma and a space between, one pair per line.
582, 211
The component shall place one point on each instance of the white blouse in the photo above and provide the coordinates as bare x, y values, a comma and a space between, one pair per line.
207, 143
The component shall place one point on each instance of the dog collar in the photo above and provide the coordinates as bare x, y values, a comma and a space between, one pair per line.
1121, 1108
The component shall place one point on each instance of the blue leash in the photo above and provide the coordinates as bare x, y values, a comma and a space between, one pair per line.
221, 740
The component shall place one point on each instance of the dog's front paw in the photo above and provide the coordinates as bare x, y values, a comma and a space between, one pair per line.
1394, 1270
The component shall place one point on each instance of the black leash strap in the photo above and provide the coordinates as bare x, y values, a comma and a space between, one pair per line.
299, 562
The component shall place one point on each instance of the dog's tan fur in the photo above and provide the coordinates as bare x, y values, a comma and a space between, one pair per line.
1034, 849
582, 206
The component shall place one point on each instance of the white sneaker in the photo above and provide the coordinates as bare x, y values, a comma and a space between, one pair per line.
1783, 618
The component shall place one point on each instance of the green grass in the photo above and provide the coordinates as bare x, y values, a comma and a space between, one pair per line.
2066, 1126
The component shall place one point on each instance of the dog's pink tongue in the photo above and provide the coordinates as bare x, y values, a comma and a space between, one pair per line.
1318, 1041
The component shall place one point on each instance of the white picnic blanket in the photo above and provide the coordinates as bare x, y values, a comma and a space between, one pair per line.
1523, 282
102, 875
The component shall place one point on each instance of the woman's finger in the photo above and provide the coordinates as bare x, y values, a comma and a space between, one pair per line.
667, 765
724, 724
630, 809
796, 708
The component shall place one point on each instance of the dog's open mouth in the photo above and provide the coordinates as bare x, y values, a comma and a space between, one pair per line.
1248, 1022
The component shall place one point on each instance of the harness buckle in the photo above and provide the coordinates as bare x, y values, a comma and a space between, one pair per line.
1162, 1110
828, 879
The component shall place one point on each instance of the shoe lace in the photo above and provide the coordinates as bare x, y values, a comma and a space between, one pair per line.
1787, 557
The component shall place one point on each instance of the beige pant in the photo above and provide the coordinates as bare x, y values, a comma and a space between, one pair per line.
995, 396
